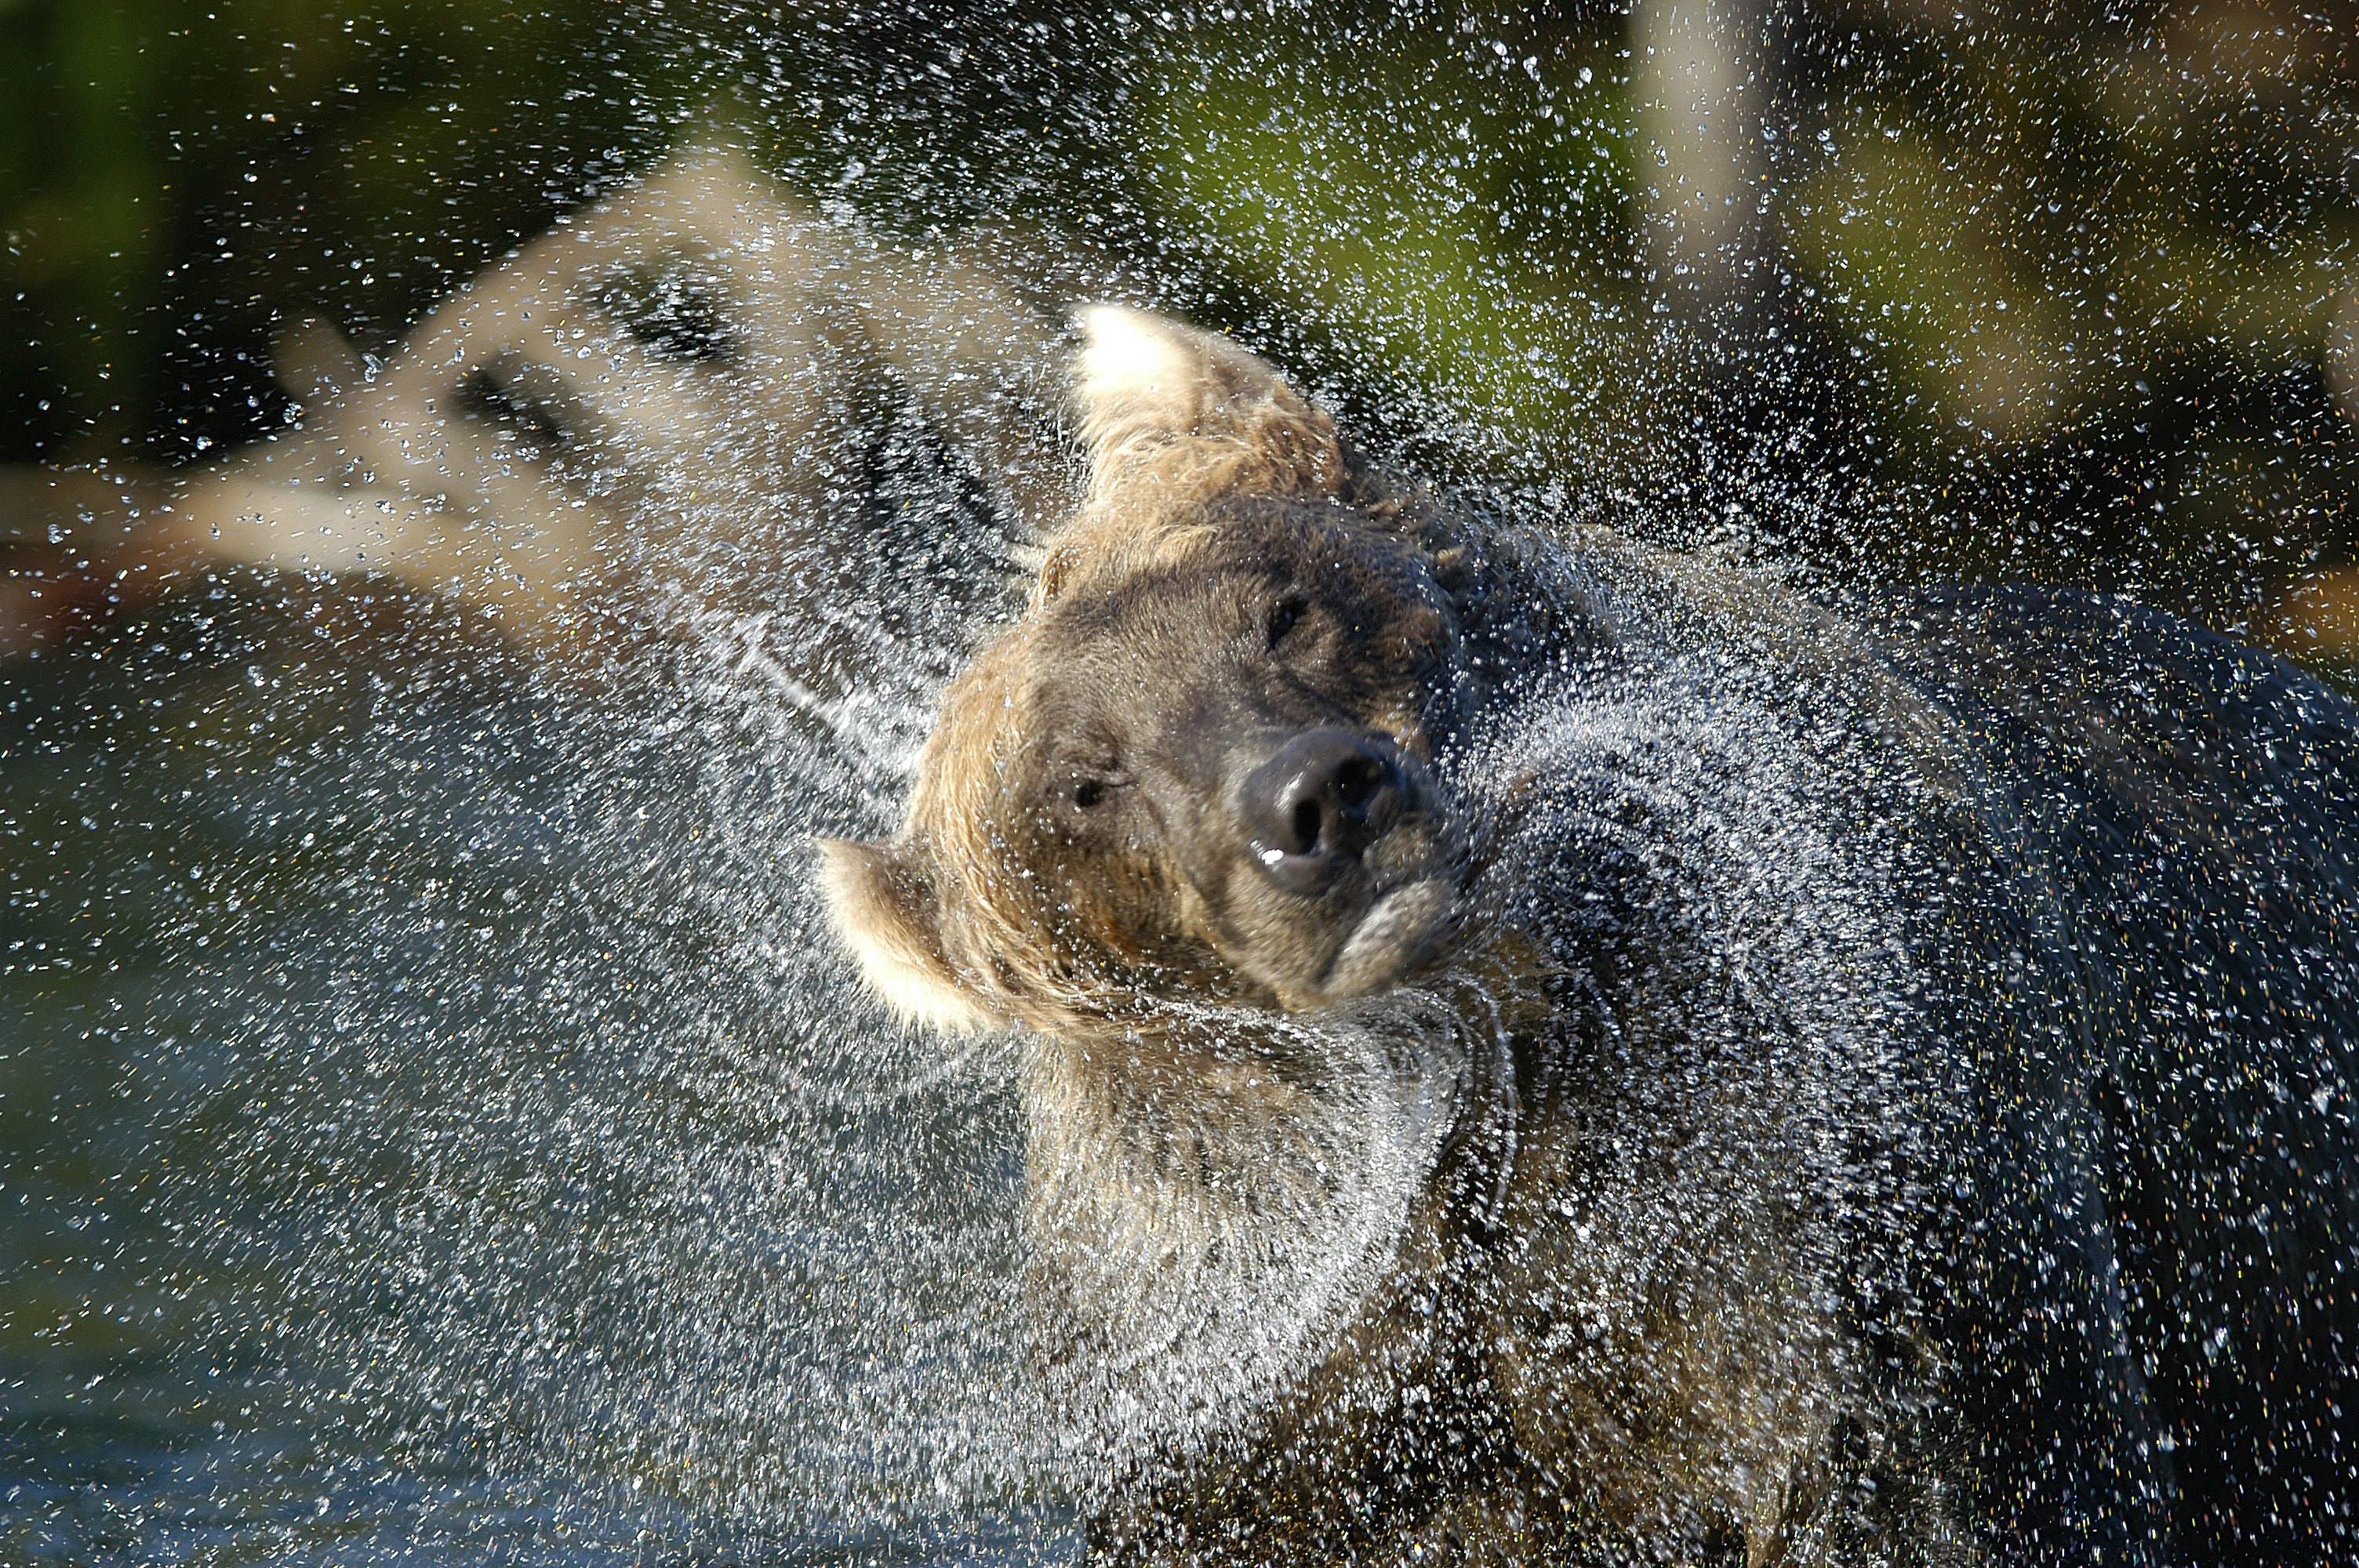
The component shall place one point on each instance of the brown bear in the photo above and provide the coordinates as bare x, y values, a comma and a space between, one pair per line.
1538, 1050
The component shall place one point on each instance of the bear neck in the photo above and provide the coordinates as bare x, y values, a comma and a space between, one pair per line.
1213, 1204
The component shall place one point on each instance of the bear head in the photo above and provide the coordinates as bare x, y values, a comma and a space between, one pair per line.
1200, 768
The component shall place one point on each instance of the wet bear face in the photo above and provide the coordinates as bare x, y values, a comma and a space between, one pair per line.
1201, 768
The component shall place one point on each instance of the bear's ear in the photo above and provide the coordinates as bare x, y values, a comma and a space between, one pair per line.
885, 913
1169, 414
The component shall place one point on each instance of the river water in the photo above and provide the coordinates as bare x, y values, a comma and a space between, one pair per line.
435, 1126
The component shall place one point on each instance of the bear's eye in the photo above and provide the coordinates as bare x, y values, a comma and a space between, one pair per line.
1284, 616
1091, 785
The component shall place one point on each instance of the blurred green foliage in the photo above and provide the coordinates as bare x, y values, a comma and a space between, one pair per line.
2116, 254
1437, 218
2055, 292
177, 176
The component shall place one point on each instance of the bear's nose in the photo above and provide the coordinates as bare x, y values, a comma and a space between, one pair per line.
1326, 795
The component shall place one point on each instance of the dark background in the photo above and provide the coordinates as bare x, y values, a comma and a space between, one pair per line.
2053, 292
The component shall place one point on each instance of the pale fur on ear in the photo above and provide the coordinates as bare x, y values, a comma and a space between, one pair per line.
873, 901
1169, 416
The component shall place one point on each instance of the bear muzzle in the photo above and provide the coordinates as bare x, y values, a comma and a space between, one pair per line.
1355, 871
1316, 806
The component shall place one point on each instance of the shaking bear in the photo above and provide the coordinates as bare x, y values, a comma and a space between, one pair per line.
1540, 1050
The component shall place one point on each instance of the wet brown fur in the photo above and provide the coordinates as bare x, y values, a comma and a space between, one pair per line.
1447, 1414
